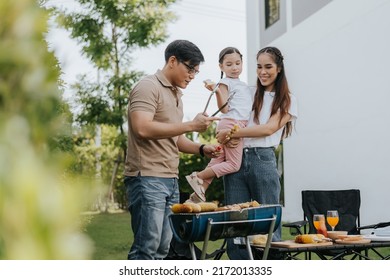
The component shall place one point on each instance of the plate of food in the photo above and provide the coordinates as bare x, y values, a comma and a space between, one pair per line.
352, 239
374, 237
304, 240
336, 234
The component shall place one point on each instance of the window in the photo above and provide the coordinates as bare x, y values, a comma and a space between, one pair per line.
272, 12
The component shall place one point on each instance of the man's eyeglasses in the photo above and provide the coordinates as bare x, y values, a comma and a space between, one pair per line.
191, 69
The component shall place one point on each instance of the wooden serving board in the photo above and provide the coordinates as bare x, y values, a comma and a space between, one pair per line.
292, 244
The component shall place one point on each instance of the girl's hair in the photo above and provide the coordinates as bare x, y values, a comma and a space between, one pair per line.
225, 51
282, 99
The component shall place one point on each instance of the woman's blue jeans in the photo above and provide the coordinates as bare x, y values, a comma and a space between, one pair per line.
149, 200
257, 179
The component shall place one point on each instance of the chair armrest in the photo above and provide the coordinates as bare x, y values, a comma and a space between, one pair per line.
297, 224
296, 227
374, 226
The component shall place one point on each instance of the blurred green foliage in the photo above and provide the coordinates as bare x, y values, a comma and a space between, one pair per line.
40, 199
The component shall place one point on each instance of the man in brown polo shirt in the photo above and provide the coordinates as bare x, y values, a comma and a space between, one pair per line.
155, 138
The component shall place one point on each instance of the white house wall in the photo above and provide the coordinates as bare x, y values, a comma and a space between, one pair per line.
337, 64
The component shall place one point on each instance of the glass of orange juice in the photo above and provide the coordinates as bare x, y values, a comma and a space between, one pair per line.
332, 217
319, 224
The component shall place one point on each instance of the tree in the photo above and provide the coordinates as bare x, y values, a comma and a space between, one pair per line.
108, 31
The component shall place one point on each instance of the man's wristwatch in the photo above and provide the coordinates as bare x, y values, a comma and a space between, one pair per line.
201, 152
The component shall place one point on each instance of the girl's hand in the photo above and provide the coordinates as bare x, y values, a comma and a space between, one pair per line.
209, 84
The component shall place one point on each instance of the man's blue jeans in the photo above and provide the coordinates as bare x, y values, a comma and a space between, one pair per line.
149, 200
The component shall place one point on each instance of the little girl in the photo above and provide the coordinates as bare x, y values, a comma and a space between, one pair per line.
235, 114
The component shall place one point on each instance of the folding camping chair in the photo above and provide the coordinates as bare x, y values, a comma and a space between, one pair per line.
347, 203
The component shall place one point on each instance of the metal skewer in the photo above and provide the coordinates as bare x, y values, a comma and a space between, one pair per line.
211, 94
224, 105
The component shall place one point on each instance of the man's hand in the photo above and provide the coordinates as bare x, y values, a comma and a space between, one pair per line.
212, 151
201, 122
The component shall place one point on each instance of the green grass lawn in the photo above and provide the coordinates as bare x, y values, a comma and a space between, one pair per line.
112, 237
111, 234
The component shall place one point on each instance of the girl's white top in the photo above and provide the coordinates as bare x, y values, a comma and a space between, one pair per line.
265, 113
240, 105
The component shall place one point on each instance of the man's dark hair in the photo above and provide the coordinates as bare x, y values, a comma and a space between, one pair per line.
184, 50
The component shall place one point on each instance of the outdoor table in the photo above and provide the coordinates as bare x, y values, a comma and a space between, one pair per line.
339, 251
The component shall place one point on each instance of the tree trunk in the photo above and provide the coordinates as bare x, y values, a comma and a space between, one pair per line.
112, 184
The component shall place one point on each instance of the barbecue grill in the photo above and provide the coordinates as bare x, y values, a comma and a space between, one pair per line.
205, 226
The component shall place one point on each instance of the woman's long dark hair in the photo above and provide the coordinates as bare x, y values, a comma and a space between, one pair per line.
282, 99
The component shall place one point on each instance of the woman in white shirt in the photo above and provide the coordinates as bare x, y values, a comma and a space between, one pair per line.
273, 112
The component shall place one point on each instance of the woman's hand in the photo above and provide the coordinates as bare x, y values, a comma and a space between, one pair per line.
233, 143
223, 136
